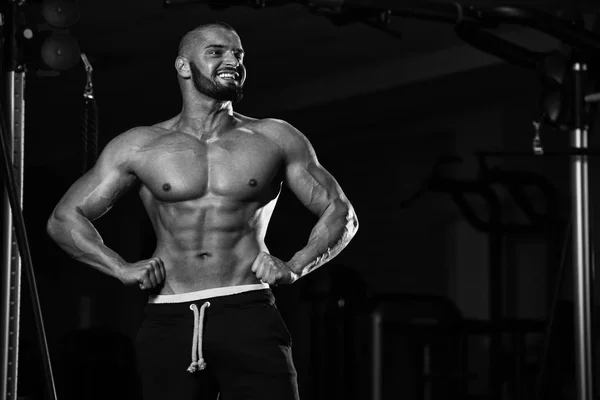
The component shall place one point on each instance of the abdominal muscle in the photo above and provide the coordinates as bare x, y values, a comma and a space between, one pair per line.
207, 248
208, 267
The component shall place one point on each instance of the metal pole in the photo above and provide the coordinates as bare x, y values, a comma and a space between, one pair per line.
10, 289
376, 355
581, 245
11, 261
25, 253
16, 244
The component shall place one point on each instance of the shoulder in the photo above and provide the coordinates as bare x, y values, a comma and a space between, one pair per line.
268, 126
276, 127
281, 132
126, 146
134, 138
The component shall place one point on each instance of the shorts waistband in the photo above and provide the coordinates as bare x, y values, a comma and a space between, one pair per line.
205, 294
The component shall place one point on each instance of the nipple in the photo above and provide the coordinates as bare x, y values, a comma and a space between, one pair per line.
252, 182
166, 187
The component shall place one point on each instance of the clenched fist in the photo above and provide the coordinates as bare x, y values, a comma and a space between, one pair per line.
148, 274
272, 270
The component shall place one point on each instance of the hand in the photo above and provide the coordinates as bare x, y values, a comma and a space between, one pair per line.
272, 270
148, 274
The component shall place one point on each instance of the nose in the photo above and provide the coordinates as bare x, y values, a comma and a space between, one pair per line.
231, 60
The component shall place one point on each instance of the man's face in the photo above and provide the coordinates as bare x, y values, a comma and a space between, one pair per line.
219, 72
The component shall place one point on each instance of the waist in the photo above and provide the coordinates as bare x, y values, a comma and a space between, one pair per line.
205, 294
161, 313
178, 259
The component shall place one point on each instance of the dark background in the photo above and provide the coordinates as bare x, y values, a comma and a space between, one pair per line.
381, 109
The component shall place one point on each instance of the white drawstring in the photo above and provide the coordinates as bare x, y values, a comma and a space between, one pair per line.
198, 363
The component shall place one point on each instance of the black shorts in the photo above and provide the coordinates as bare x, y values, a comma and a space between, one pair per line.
246, 346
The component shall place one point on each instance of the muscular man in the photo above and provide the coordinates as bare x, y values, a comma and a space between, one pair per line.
209, 179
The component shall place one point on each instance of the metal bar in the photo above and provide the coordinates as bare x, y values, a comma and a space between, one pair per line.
496, 301
11, 278
581, 246
16, 245
18, 138
25, 252
11, 273
427, 382
377, 355
9, 335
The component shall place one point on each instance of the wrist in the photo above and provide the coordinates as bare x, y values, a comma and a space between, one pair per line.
293, 277
295, 267
119, 271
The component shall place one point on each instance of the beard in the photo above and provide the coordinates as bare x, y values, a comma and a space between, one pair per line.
213, 89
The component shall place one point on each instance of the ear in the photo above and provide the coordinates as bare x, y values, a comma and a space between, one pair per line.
182, 65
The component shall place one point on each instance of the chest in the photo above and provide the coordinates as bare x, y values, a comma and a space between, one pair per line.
239, 166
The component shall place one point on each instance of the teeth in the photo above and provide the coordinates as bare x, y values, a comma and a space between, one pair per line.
227, 75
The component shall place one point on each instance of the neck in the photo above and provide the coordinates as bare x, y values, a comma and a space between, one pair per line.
204, 117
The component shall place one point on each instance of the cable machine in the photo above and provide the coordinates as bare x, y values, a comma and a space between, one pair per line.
59, 52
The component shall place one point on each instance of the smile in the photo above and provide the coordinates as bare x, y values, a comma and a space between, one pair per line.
227, 75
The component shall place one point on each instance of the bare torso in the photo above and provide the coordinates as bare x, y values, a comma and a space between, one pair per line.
209, 202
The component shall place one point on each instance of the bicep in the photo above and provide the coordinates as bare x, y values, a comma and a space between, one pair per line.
314, 186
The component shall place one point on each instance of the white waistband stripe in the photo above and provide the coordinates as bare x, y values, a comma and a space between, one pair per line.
205, 294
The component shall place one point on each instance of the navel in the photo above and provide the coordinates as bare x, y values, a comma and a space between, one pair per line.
166, 187
252, 182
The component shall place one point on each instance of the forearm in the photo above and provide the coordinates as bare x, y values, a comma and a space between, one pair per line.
331, 234
76, 235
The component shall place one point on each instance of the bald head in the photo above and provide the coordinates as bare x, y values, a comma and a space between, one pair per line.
194, 37
211, 62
